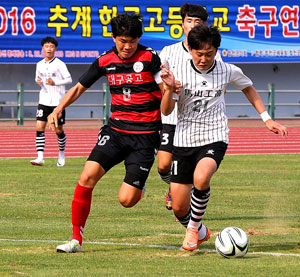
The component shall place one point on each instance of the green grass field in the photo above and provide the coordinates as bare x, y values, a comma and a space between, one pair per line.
258, 193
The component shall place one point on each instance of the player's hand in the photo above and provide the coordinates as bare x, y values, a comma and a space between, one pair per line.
39, 81
167, 77
276, 128
178, 87
50, 82
53, 120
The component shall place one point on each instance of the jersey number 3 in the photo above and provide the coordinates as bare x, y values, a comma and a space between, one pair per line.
165, 139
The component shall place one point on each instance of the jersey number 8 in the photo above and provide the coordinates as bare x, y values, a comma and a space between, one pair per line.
126, 94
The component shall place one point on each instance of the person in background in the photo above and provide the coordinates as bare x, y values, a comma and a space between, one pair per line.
132, 133
51, 75
201, 135
172, 56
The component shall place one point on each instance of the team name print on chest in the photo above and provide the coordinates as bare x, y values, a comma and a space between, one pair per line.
133, 76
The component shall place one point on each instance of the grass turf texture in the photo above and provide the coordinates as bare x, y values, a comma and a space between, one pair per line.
258, 193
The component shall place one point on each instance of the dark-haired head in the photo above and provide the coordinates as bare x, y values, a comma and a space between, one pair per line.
49, 40
203, 34
127, 25
193, 10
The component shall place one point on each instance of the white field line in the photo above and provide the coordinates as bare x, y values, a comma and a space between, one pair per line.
150, 246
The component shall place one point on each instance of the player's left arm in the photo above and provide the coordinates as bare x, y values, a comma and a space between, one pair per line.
254, 98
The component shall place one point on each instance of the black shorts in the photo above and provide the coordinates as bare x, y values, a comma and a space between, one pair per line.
167, 137
43, 112
185, 160
136, 150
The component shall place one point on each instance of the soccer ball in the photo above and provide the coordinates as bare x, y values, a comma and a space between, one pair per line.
232, 242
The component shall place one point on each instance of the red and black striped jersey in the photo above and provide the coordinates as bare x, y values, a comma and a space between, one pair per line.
135, 96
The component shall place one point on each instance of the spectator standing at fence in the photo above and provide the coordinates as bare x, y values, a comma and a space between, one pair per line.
51, 75
201, 135
171, 56
132, 133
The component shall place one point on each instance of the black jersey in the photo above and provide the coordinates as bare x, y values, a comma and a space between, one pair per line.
135, 96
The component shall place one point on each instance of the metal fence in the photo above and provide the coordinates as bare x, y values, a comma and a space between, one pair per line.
19, 104
104, 104
288, 101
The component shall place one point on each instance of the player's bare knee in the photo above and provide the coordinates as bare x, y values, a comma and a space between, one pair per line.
164, 168
125, 202
87, 181
201, 182
179, 211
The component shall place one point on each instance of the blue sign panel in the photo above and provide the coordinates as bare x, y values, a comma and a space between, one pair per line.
252, 31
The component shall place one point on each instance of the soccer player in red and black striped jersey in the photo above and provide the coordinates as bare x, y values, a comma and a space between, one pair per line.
132, 133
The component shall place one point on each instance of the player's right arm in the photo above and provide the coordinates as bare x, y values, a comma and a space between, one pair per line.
72, 95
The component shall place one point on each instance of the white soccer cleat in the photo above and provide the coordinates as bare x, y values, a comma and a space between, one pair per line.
61, 160
37, 161
71, 246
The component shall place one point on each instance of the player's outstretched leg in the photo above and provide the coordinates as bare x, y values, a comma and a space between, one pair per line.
81, 206
199, 202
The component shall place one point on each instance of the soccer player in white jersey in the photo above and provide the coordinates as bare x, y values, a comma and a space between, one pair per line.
171, 56
51, 75
201, 135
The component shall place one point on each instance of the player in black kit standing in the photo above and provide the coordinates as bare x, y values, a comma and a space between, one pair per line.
133, 73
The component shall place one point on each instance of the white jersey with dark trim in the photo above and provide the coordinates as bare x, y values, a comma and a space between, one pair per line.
58, 72
201, 105
172, 56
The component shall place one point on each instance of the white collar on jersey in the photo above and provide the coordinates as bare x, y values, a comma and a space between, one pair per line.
50, 61
203, 71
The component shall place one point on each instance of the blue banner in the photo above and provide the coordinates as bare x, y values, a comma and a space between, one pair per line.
252, 31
